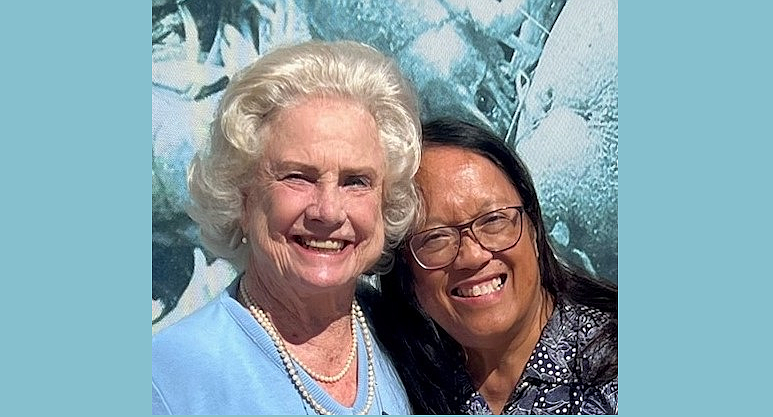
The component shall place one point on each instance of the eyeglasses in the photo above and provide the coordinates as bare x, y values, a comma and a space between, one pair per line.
494, 231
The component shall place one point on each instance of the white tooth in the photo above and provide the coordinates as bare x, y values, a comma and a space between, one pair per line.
482, 289
324, 244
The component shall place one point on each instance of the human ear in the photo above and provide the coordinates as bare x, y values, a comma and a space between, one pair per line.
533, 231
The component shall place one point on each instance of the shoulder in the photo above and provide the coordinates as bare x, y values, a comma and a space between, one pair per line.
197, 364
600, 399
192, 323
596, 339
588, 322
198, 334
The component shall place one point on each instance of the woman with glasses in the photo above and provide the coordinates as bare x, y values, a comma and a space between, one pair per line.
479, 314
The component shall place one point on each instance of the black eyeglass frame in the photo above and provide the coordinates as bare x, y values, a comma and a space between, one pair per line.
460, 230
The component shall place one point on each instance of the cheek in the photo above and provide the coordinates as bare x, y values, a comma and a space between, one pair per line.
252, 212
278, 209
525, 265
365, 215
430, 289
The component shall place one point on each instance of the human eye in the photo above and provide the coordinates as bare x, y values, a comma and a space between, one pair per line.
435, 240
357, 181
297, 178
493, 222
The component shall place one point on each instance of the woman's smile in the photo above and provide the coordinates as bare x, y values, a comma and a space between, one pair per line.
473, 290
315, 210
321, 245
481, 294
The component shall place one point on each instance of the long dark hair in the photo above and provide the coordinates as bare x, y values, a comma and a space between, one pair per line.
424, 354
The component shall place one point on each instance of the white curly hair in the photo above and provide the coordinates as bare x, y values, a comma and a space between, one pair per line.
219, 173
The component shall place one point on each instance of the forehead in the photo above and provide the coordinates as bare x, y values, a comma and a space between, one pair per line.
458, 185
329, 129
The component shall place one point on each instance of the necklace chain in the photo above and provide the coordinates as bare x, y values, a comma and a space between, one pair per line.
289, 360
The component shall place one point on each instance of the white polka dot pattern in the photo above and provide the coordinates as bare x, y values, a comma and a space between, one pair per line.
552, 381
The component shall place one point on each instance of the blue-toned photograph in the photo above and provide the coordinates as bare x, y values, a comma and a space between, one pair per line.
408, 207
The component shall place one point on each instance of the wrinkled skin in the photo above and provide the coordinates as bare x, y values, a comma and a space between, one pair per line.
466, 58
318, 182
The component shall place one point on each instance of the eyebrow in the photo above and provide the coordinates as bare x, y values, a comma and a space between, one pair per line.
290, 165
492, 205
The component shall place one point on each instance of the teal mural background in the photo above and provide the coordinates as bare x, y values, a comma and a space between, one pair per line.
542, 74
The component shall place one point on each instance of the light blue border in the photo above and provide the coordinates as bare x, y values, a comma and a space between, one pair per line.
649, 263
76, 208
129, 210
694, 107
695, 104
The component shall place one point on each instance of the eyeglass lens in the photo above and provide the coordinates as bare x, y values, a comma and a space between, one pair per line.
494, 231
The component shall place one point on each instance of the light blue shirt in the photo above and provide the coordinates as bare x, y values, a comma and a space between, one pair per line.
219, 360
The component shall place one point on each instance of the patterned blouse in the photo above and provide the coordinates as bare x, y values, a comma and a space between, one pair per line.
552, 382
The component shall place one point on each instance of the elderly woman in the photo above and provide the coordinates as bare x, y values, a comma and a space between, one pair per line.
483, 318
306, 185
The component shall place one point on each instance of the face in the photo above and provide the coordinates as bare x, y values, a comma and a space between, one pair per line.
313, 214
458, 186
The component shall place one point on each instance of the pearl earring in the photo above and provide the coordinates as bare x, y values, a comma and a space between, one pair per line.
244, 240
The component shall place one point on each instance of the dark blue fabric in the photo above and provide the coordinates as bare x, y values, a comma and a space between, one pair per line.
553, 379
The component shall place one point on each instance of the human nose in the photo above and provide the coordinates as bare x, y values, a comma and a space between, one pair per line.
328, 206
471, 255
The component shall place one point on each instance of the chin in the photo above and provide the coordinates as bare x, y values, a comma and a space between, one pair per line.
327, 278
478, 332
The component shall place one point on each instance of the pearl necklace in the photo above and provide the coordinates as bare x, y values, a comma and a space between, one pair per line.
288, 359
352, 353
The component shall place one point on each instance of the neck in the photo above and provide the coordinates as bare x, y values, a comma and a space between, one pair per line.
343, 385
495, 371
298, 316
